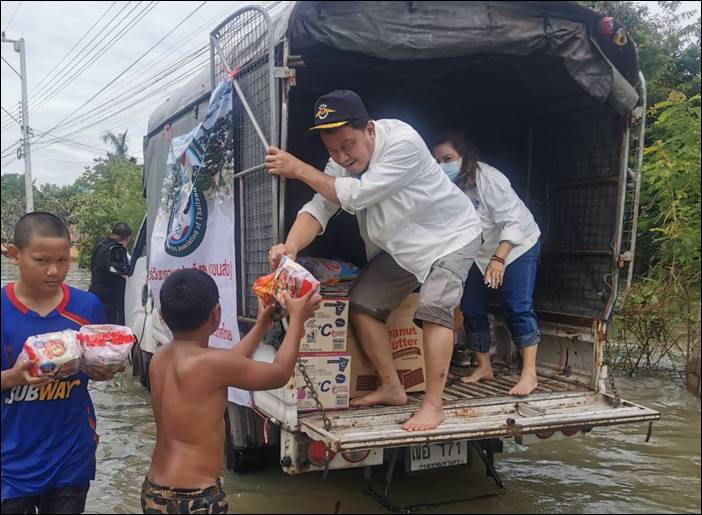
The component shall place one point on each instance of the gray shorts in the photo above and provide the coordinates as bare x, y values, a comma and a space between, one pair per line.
384, 284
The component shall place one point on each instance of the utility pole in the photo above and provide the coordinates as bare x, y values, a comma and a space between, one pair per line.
18, 45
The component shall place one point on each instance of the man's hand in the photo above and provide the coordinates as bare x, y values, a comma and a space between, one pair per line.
278, 251
283, 164
494, 274
20, 374
97, 373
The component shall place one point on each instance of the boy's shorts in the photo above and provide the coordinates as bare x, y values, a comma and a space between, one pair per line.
162, 499
64, 499
383, 285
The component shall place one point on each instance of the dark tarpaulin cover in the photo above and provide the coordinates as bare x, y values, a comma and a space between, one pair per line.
428, 30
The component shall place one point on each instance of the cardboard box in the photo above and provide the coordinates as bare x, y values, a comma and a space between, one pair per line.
330, 373
326, 331
407, 349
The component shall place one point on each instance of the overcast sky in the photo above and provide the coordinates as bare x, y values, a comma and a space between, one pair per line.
53, 32
50, 30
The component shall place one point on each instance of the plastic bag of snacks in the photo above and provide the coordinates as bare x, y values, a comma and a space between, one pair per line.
58, 354
106, 346
290, 277
330, 271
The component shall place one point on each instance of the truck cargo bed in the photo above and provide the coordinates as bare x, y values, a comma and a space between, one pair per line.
477, 411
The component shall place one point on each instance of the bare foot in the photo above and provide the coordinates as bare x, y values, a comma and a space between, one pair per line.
389, 396
478, 374
427, 417
526, 384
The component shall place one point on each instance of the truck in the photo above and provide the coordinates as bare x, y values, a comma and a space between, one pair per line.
550, 93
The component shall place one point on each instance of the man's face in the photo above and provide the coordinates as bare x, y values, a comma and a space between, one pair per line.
43, 263
351, 148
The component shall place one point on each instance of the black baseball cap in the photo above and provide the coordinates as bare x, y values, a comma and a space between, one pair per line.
338, 108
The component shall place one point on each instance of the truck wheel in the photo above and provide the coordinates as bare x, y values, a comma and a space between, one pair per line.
136, 361
145, 362
228, 444
248, 460
242, 461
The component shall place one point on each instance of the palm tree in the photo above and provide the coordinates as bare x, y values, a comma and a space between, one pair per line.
118, 141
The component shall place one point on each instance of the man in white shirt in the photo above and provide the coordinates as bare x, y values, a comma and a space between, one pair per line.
419, 229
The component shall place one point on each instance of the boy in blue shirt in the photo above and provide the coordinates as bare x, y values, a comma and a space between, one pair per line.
48, 425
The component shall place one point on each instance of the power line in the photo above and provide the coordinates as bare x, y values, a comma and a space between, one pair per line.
176, 67
126, 69
177, 46
35, 88
12, 67
12, 17
60, 84
84, 51
42, 91
8, 114
11, 146
118, 110
159, 76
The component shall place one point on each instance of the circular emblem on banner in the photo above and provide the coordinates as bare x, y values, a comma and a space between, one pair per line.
187, 224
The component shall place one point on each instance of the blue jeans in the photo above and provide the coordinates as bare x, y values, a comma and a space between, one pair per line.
516, 296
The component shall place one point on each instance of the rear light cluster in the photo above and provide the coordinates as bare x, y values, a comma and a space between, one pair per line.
317, 449
316, 452
567, 431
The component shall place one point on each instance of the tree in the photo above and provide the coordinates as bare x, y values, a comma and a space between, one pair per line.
112, 192
13, 203
668, 44
118, 142
671, 187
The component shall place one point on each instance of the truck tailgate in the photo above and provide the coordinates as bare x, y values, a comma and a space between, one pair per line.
476, 412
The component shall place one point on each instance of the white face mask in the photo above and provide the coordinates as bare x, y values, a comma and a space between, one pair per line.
452, 169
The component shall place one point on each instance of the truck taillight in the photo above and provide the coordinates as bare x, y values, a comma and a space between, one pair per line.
355, 456
570, 431
316, 451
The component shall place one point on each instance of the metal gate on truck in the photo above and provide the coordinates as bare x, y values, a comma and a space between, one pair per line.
242, 47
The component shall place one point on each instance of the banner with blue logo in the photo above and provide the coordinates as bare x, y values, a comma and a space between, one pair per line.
194, 227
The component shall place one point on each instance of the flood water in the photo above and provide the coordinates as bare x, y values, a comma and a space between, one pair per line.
611, 470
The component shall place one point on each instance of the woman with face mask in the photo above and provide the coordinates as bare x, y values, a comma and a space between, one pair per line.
506, 262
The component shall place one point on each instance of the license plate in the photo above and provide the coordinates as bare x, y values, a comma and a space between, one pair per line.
438, 455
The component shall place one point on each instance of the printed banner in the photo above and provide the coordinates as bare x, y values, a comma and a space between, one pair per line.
195, 224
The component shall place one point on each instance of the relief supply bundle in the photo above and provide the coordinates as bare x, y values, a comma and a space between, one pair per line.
288, 277
58, 354
105, 345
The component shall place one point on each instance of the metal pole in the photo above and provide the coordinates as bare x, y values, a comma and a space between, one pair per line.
240, 93
18, 45
25, 130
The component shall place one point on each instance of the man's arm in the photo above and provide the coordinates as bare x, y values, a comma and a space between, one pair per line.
302, 233
284, 164
320, 182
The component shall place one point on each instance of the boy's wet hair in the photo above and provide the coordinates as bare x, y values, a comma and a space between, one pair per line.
39, 223
187, 299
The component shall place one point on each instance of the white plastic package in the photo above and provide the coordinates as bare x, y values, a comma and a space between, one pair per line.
58, 354
105, 346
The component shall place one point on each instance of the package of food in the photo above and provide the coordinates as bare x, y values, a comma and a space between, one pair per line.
106, 346
263, 288
330, 271
58, 354
288, 277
